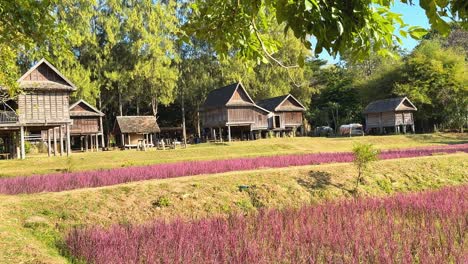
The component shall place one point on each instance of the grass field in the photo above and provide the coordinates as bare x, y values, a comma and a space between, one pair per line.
41, 164
32, 227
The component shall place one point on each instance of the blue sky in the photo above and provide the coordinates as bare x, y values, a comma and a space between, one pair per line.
413, 15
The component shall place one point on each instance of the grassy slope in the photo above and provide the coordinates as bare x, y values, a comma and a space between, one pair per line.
41, 164
52, 214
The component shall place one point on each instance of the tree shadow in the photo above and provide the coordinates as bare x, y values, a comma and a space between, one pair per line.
320, 180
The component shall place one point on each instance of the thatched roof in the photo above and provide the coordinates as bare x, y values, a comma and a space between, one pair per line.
83, 108
137, 124
390, 105
276, 104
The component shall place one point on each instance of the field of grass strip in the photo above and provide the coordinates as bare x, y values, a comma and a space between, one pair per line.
425, 227
87, 179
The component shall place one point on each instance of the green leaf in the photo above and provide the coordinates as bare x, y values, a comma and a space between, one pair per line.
403, 33
417, 33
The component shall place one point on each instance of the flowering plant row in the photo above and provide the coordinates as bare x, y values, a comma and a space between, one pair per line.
86, 179
428, 227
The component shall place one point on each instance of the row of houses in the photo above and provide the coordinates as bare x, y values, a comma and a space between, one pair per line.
230, 111
43, 113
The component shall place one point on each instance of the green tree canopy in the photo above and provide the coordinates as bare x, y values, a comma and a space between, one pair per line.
359, 27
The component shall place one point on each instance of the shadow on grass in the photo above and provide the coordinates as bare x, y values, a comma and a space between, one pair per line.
321, 180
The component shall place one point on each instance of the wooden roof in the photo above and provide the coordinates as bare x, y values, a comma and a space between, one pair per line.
282, 103
390, 105
230, 95
83, 108
136, 124
44, 76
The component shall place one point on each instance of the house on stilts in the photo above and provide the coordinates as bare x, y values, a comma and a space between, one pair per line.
41, 108
132, 131
229, 112
392, 115
87, 129
287, 114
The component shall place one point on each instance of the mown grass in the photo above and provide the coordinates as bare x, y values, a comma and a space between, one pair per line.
41, 220
41, 164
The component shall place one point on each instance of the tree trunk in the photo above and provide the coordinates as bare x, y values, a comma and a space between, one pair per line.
154, 105
120, 104
184, 132
138, 106
198, 123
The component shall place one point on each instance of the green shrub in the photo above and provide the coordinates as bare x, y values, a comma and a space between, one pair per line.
364, 154
161, 202
27, 147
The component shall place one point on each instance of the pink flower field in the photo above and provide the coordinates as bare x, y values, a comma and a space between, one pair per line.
86, 179
428, 227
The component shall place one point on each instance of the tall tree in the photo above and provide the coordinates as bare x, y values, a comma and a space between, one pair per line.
435, 79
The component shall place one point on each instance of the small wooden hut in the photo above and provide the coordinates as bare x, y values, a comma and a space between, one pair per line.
287, 113
87, 126
230, 109
390, 115
135, 130
41, 107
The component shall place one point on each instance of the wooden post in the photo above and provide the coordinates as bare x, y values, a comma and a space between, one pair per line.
220, 135
49, 149
86, 143
102, 132
229, 133
23, 151
129, 139
61, 140
412, 128
404, 129
123, 139
81, 143
54, 134
68, 140
97, 143
213, 132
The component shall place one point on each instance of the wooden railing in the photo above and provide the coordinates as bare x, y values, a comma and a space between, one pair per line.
7, 117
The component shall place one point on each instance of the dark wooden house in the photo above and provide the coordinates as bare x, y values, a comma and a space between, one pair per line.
130, 131
42, 106
390, 115
287, 113
86, 130
231, 111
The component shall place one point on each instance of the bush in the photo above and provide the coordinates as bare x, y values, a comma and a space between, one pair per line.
364, 154
161, 202
27, 147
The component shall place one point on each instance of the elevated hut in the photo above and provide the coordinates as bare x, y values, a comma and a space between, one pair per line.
135, 130
390, 115
287, 113
86, 129
230, 109
42, 106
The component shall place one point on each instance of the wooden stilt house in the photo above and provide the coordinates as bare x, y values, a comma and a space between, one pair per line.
231, 111
132, 131
287, 113
86, 130
42, 106
390, 115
